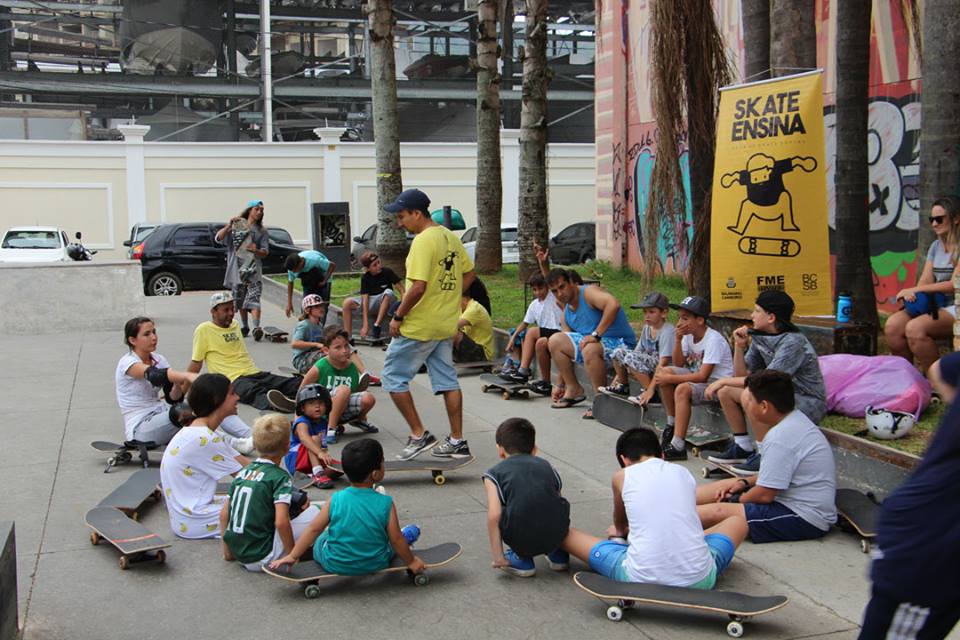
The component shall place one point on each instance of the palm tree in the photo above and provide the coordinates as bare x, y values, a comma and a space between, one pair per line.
854, 272
489, 254
391, 241
756, 39
533, 224
793, 36
939, 110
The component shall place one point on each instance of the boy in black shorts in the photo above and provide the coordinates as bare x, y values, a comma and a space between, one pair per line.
377, 296
524, 507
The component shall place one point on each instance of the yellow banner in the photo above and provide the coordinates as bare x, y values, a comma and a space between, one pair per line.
769, 217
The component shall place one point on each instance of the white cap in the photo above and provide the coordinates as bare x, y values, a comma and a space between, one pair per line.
220, 297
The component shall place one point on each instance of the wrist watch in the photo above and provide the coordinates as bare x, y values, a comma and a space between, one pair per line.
398, 318
596, 335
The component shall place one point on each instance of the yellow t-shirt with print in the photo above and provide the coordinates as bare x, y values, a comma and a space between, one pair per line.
480, 329
438, 258
223, 350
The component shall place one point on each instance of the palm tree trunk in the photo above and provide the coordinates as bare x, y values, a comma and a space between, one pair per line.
756, 39
854, 272
391, 241
533, 225
793, 36
939, 111
489, 255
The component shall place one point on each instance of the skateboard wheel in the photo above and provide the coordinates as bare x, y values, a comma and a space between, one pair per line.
135, 516
94, 538
734, 629
157, 494
614, 613
506, 395
311, 591
124, 563
865, 545
439, 480
161, 556
421, 579
484, 388
704, 472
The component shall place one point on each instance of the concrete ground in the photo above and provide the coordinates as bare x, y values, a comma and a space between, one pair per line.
58, 396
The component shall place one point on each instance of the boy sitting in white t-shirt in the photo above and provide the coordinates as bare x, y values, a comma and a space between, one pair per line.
655, 510
545, 313
702, 355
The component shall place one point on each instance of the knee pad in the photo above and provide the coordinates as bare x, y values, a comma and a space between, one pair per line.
180, 414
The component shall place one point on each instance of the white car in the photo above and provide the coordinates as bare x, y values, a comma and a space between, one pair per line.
34, 244
508, 240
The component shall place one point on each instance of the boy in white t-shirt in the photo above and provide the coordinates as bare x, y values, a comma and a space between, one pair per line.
655, 511
545, 313
702, 355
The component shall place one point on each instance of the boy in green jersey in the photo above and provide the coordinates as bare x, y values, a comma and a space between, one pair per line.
340, 375
255, 520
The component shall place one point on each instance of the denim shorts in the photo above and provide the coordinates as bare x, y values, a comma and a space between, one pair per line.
609, 344
404, 357
609, 558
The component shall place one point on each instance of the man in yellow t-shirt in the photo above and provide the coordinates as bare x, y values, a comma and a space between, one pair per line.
474, 339
423, 326
219, 344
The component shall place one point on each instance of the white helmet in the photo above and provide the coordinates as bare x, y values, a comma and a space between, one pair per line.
886, 424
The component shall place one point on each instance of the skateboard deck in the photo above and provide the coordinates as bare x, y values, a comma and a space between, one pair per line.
508, 389
424, 462
699, 438
123, 452
369, 341
774, 247
858, 512
310, 573
711, 469
135, 490
617, 412
134, 541
738, 607
275, 334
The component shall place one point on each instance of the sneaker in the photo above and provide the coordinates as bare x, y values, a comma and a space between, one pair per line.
244, 331
519, 566
243, 446
411, 532
322, 481
332, 436
731, 455
331, 473
375, 381
750, 467
666, 437
518, 377
416, 446
365, 426
558, 560
363, 382
450, 450
509, 367
281, 402
542, 387
670, 454
617, 389
375, 333
257, 334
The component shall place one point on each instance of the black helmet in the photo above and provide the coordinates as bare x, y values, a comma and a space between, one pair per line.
313, 392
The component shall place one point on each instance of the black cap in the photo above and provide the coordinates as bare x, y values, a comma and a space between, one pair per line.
695, 305
412, 199
653, 300
780, 304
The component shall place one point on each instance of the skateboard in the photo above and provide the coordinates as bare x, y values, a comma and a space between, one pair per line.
275, 334
858, 513
369, 341
123, 453
134, 541
699, 438
309, 573
774, 247
436, 466
135, 490
628, 595
300, 480
474, 368
712, 468
508, 389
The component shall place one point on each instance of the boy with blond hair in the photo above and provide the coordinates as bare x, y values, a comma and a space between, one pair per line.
260, 520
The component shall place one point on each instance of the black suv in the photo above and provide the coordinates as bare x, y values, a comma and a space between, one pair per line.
177, 257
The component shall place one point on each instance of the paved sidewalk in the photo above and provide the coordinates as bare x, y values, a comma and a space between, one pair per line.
58, 395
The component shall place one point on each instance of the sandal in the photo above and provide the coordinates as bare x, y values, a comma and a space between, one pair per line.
566, 403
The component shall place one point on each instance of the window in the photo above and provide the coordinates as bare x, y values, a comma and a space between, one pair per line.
63, 236
470, 235
31, 240
280, 236
192, 237
508, 235
142, 233
370, 234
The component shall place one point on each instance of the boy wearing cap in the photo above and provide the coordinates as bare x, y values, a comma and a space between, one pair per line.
377, 295
701, 356
247, 245
776, 344
654, 349
423, 326
314, 270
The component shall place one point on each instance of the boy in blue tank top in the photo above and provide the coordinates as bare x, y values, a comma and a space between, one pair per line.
357, 531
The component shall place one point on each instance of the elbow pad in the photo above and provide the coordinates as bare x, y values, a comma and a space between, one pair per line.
157, 377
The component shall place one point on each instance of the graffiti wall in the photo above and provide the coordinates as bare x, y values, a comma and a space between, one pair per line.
627, 137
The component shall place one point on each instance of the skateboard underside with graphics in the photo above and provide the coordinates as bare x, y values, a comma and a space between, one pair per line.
773, 247
858, 513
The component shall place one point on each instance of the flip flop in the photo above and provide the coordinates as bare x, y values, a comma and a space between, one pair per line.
566, 403
588, 414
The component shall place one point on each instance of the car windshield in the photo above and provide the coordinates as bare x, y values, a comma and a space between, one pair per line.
31, 240
280, 236
508, 235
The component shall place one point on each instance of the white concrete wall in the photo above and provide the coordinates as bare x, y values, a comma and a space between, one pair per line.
69, 296
103, 188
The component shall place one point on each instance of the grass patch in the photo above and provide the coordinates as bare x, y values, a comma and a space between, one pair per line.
914, 442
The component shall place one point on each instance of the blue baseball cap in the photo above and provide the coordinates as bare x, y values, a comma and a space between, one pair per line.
412, 199
254, 203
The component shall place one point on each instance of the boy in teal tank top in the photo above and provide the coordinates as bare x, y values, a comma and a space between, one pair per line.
357, 531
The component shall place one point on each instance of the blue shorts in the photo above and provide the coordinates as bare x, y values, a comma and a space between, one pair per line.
775, 522
609, 345
404, 357
608, 558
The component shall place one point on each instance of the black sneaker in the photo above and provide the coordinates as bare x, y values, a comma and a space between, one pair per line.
417, 446
244, 331
257, 334
541, 387
750, 467
375, 332
669, 453
666, 437
449, 450
733, 454
518, 377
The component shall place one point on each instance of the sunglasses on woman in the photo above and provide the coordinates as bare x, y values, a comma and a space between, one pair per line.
936, 219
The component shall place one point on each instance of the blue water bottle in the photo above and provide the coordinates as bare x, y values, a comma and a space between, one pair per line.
844, 304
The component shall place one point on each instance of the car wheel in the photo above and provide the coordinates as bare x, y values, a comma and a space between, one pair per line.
588, 255
164, 284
